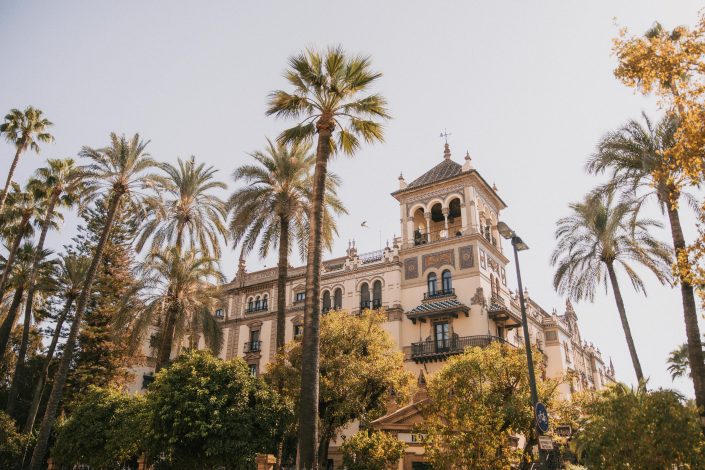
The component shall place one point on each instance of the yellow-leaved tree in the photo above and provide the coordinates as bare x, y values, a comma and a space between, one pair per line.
479, 404
671, 66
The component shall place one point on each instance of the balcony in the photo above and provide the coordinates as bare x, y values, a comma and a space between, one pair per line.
437, 294
371, 304
253, 346
257, 308
501, 313
430, 351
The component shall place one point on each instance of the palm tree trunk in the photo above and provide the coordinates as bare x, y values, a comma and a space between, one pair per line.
39, 386
13, 167
625, 322
167, 340
13, 252
9, 323
308, 402
690, 315
282, 272
62, 371
323, 448
19, 369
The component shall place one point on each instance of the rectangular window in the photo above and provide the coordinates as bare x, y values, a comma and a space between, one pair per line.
254, 336
441, 334
298, 331
300, 297
253, 370
219, 313
551, 335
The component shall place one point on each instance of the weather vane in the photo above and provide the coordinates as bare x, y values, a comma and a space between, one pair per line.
445, 134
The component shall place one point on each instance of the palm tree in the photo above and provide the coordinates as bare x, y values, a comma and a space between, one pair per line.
121, 169
273, 208
23, 207
634, 155
23, 130
184, 207
329, 99
71, 274
599, 236
29, 262
185, 292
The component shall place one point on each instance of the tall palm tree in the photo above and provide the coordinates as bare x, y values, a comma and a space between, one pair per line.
273, 209
38, 269
23, 129
122, 169
599, 236
185, 292
184, 208
71, 274
22, 208
634, 156
330, 100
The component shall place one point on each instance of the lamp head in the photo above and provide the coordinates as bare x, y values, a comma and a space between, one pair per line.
519, 244
504, 230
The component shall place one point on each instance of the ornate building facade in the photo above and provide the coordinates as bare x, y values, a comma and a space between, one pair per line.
443, 285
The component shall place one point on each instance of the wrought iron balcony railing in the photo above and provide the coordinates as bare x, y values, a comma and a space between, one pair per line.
371, 304
257, 308
439, 293
439, 349
253, 346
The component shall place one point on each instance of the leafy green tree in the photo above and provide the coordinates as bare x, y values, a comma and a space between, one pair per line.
376, 450
185, 211
103, 356
71, 274
349, 343
121, 169
206, 412
107, 427
331, 102
185, 290
477, 404
28, 260
636, 157
627, 428
599, 236
12, 443
273, 208
23, 129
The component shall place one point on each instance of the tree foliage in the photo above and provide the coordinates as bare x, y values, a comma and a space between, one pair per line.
361, 371
207, 412
626, 428
477, 404
105, 428
12, 443
372, 450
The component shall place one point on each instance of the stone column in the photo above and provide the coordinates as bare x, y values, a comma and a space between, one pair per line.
445, 220
265, 461
427, 216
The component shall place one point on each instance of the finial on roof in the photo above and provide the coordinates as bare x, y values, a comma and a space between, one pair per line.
494, 187
402, 182
446, 151
467, 166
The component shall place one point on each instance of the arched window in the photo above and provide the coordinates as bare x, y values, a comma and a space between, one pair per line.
338, 299
258, 303
446, 280
364, 295
432, 283
377, 294
250, 305
326, 301
265, 301
492, 284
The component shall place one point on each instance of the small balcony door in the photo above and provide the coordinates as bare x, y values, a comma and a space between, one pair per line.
441, 336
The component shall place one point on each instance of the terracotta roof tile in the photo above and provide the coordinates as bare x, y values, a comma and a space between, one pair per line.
443, 171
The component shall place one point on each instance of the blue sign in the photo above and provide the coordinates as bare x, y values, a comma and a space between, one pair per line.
541, 417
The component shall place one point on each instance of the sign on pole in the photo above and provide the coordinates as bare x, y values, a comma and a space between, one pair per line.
541, 417
545, 443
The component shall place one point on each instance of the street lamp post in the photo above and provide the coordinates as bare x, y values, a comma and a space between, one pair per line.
519, 245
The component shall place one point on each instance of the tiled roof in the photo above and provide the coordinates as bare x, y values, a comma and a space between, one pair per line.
440, 305
444, 170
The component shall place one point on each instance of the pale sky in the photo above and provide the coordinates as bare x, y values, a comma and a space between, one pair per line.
525, 87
